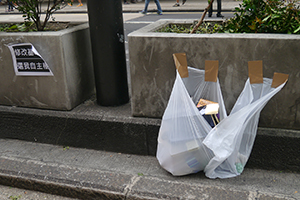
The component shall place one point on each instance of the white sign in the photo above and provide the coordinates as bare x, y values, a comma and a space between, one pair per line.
27, 61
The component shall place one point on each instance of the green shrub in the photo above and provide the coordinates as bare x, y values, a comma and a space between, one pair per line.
205, 27
265, 16
32, 10
19, 27
253, 16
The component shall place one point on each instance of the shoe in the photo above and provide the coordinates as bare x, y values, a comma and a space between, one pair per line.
133, 2
159, 13
143, 12
79, 5
69, 4
126, 3
176, 5
183, 2
219, 15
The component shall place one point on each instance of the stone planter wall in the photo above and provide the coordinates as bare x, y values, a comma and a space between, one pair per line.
153, 70
68, 54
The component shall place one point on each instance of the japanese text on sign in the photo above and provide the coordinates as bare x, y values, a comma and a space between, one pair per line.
27, 61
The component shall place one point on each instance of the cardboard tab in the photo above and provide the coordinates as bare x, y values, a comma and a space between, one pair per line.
255, 70
181, 64
204, 102
279, 79
211, 70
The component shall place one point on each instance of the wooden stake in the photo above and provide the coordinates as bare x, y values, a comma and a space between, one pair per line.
202, 18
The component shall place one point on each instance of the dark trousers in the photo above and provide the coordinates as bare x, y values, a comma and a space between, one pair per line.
219, 8
10, 5
54, 1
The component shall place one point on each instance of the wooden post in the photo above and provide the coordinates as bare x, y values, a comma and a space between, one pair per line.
202, 18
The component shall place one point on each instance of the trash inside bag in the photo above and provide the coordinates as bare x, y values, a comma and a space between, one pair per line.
210, 111
192, 139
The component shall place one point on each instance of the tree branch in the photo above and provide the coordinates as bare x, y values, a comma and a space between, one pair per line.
202, 18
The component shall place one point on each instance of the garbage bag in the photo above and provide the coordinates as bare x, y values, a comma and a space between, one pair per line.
183, 129
188, 144
232, 140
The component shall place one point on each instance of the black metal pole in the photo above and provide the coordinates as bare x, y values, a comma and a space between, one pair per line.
108, 49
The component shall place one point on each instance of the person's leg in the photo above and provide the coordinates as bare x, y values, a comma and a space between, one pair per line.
159, 11
176, 4
146, 7
10, 5
80, 3
219, 10
210, 10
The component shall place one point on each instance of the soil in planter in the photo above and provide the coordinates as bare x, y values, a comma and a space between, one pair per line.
30, 26
205, 27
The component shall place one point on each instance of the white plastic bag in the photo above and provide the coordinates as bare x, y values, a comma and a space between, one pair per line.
187, 143
183, 129
232, 140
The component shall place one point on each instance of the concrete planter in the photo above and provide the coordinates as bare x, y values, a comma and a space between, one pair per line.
153, 69
68, 55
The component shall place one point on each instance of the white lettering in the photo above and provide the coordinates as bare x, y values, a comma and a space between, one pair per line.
20, 65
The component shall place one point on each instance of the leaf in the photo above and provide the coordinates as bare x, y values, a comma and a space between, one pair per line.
66, 148
140, 174
275, 16
298, 29
266, 18
15, 197
13, 27
252, 26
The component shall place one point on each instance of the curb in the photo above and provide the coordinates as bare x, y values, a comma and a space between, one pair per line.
116, 177
114, 129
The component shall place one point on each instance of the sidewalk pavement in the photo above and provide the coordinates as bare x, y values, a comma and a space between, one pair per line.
167, 6
189, 6
90, 174
79, 14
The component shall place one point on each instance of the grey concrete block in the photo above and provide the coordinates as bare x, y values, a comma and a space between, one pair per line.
68, 54
153, 70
